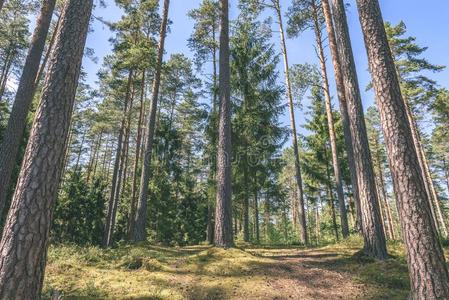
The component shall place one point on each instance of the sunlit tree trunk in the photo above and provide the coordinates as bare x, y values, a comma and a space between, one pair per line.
223, 236
427, 266
24, 242
116, 174
140, 233
330, 123
133, 205
372, 228
302, 212
343, 107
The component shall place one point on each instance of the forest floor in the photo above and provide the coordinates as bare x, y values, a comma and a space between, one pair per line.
151, 272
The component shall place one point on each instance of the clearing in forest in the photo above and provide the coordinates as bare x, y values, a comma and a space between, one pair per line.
202, 272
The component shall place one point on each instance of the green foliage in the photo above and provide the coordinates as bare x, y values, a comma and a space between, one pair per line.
79, 212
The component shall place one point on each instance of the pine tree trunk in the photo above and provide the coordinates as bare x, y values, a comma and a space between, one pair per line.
25, 92
223, 210
246, 204
256, 215
133, 205
380, 174
330, 123
389, 224
372, 229
302, 212
343, 108
25, 236
330, 194
428, 181
140, 233
43, 65
116, 174
427, 266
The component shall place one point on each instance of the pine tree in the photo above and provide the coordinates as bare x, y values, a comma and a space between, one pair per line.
305, 14
24, 96
42, 168
427, 266
372, 229
223, 236
141, 213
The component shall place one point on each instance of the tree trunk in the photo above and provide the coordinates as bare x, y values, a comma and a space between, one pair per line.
94, 157
140, 233
428, 182
24, 96
256, 214
43, 65
383, 192
116, 174
374, 239
330, 123
223, 210
25, 236
330, 194
246, 203
132, 213
427, 266
343, 108
302, 213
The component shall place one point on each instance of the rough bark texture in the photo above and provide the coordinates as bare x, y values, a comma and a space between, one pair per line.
343, 108
25, 236
24, 96
302, 212
427, 266
140, 233
223, 209
428, 181
372, 229
330, 124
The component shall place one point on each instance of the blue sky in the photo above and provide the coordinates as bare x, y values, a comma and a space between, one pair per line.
428, 21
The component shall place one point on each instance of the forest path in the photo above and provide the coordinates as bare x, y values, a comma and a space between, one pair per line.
306, 274
203, 272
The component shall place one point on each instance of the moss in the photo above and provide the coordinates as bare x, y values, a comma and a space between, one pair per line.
202, 272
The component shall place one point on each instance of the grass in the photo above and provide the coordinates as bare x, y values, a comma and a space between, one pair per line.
202, 272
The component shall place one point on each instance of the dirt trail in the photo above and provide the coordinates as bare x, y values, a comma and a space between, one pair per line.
307, 274
280, 274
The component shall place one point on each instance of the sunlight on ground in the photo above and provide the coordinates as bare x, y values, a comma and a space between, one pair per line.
202, 272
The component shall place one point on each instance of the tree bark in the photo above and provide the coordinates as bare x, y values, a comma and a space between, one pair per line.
25, 236
24, 96
302, 212
372, 229
380, 174
256, 214
140, 233
330, 123
343, 108
133, 205
116, 173
246, 204
43, 65
223, 208
428, 181
427, 266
